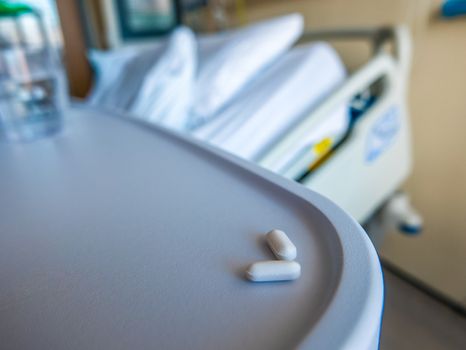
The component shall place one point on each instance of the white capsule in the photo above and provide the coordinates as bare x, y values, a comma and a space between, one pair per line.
272, 270
281, 245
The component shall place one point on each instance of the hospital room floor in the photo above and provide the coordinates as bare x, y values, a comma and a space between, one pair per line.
415, 320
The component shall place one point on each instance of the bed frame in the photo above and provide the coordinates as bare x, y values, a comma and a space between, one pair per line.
365, 172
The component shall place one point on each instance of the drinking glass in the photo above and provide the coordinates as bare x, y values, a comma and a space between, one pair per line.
32, 81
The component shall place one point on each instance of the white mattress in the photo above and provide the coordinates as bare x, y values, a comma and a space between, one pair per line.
278, 99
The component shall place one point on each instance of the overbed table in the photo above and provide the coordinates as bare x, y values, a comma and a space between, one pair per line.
120, 235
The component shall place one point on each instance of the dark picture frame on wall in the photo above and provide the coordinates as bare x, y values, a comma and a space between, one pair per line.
147, 18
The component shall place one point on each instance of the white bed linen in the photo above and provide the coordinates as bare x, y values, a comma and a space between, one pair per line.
277, 100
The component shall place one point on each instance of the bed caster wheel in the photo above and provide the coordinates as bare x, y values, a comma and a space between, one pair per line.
411, 225
399, 213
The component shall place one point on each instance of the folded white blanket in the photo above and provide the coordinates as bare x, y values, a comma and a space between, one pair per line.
277, 100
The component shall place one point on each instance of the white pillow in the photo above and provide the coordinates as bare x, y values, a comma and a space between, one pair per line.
245, 52
166, 92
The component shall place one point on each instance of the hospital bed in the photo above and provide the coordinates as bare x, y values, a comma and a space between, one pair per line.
362, 167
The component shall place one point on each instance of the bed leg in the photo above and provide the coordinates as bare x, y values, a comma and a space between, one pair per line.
397, 213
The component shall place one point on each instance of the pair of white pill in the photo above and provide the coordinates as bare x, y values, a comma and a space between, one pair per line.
284, 269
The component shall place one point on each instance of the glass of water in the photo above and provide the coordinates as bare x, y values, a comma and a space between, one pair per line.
32, 81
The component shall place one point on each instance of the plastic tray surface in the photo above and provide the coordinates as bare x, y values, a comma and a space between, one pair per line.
119, 235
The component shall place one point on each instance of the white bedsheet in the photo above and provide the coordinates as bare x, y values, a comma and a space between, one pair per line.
121, 73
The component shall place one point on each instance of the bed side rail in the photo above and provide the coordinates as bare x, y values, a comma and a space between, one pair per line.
379, 36
380, 67
390, 70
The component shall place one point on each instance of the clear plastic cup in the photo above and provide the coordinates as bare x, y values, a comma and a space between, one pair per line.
33, 91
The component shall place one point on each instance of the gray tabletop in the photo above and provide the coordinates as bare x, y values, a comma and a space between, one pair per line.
120, 235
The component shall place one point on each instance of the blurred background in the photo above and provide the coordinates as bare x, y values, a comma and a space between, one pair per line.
433, 261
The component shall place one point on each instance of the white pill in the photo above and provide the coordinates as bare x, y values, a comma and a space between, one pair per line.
281, 245
272, 270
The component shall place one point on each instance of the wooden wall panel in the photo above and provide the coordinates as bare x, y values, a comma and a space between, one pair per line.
77, 66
